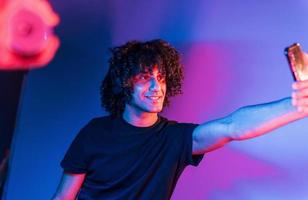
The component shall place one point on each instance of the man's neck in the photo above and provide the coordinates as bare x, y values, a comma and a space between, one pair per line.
141, 119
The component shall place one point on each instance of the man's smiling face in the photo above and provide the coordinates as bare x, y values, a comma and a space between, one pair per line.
149, 91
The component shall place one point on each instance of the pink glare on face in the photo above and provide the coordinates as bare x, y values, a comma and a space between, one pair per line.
149, 91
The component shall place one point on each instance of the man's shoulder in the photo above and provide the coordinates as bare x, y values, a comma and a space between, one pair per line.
179, 125
101, 119
99, 122
96, 126
166, 120
173, 121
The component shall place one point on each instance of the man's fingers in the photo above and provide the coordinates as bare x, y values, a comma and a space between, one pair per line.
300, 96
301, 104
303, 109
300, 85
300, 93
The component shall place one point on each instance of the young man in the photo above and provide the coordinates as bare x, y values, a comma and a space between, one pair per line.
136, 154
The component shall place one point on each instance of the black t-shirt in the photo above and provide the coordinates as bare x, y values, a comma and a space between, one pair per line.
122, 161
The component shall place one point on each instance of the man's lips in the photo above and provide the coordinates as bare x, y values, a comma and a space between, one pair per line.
154, 97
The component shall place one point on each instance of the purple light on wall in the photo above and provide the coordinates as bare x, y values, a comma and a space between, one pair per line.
207, 82
212, 178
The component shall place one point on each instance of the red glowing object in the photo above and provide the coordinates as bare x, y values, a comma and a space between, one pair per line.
27, 40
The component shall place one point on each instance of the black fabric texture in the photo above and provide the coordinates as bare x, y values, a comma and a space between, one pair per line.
122, 161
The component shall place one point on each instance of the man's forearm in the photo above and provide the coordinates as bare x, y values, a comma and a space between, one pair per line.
252, 121
256, 120
244, 123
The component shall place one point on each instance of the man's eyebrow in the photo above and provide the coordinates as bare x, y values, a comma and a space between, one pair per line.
149, 71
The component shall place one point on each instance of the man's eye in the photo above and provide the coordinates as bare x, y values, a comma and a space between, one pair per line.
144, 77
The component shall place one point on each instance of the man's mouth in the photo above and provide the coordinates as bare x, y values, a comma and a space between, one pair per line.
153, 97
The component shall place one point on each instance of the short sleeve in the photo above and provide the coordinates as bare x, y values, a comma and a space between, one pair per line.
190, 159
75, 159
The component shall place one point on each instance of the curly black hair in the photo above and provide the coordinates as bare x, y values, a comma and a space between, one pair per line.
132, 58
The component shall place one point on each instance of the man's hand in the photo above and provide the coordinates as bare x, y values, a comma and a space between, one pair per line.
300, 96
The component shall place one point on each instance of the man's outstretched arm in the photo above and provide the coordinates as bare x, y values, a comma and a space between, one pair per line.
251, 121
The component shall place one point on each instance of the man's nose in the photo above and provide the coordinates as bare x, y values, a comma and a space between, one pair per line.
155, 85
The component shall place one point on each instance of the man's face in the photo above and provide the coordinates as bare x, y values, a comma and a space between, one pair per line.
149, 91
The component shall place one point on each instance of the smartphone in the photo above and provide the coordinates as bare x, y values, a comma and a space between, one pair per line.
297, 61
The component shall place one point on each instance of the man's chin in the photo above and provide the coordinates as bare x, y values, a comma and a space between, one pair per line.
155, 110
